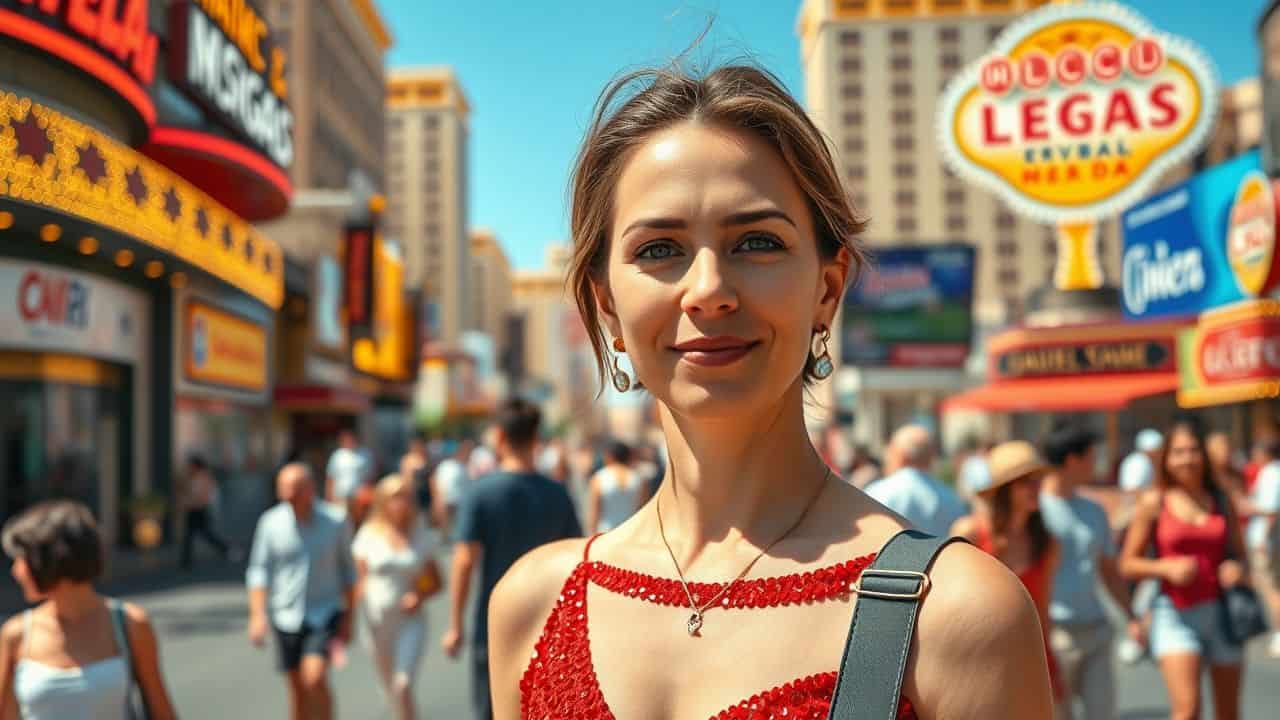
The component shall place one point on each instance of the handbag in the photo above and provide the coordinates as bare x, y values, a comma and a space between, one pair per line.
1241, 613
869, 685
134, 707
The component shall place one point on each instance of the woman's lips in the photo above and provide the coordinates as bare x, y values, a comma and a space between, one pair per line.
716, 357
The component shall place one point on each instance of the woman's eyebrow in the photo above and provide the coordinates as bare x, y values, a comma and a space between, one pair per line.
657, 224
741, 218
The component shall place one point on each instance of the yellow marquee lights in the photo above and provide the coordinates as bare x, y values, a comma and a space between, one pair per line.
88, 245
50, 233
154, 269
6, 220
85, 174
124, 258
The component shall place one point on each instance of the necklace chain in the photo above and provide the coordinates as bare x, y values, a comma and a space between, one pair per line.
695, 620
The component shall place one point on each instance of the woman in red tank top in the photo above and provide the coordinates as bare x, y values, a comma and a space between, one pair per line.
714, 241
1194, 530
1008, 525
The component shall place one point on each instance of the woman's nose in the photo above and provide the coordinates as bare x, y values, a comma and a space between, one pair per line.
709, 289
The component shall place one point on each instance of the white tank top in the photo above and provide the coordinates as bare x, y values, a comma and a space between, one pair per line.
619, 492
97, 691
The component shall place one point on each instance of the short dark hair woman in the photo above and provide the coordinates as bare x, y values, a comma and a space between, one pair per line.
75, 655
714, 240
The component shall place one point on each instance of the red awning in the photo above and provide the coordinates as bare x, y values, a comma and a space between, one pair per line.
321, 398
1078, 393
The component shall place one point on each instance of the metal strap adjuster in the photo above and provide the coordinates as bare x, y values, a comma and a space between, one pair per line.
919, 592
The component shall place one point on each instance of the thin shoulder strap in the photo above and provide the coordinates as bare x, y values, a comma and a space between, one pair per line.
586, 550
118, 628
875, 655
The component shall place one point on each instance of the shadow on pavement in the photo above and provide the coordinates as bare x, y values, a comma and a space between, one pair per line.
218, 620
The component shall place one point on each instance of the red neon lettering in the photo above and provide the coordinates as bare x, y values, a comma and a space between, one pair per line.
1073, 121
997, 76
989, 135
1145, 57
1070, 66
1035, 70
1120, 110
1108, 62
82, 18
1033, 120
1162, 99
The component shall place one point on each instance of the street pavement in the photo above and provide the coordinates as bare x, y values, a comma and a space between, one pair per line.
213, 673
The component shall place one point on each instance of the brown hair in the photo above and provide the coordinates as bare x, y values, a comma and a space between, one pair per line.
735, 96
1002, 521
1188, 424
59, 540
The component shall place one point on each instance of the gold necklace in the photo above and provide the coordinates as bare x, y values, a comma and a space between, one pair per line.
694, 623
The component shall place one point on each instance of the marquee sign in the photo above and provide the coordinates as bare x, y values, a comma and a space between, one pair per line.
223, 54
1232, 356
1117, 356
1074, 115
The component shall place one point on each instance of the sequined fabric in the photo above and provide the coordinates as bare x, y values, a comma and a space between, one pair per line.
560, 682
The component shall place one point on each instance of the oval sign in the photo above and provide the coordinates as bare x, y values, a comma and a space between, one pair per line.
1251, 234
1077, 111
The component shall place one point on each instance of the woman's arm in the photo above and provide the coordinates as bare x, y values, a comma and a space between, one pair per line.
10, 648
1134, 564
978, 652
146, 664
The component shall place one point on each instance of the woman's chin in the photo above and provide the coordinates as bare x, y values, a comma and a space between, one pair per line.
720, 399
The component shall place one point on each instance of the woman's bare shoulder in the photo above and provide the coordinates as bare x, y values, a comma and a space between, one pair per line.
525, 595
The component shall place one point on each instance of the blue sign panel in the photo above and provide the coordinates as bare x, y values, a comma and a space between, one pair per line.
1175, 245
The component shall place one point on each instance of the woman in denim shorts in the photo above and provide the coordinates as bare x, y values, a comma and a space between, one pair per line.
1195, 533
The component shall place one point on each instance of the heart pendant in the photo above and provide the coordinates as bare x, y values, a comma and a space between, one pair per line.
695, 623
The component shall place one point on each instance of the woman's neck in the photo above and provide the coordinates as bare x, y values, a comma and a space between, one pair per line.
71, 603
745, 477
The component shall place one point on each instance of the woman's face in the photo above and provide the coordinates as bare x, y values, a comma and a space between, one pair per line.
22, 574
1185, 463
1026, 494
399, 507
714, 280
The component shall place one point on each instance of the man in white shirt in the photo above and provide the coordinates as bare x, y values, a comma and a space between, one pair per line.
1138, 470
350, 466
447, 483
909, 490
1260, 535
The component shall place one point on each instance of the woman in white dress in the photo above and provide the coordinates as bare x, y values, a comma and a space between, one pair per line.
396, 573
617, 491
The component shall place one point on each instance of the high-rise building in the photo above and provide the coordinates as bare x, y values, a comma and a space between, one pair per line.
426, 135
490, 286
874, 70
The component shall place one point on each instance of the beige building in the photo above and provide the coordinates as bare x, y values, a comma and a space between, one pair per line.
426, 136
490, 286
336, 68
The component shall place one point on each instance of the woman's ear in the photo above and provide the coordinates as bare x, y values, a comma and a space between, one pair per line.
834, 280
604, 304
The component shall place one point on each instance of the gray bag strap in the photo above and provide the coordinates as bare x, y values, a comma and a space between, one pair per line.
119, 625
875, 655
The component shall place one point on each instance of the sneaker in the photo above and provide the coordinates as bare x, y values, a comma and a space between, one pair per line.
1273, 648
1130, 652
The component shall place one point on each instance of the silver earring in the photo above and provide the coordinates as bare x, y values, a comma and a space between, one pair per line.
621, 380
822, 365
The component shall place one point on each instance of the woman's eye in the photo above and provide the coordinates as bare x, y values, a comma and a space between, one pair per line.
656, 251
760, 241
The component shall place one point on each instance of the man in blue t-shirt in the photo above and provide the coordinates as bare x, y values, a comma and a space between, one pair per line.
500, 517
1081, 635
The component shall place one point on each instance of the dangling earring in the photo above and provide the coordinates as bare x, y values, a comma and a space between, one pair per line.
621, 380
822, 365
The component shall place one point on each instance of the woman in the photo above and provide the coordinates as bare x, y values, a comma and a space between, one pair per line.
1195, 532
616, 491
69, 658
714, 240
1008, 525
395, 572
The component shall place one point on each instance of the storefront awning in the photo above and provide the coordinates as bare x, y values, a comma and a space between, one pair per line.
320, 398
1078, 393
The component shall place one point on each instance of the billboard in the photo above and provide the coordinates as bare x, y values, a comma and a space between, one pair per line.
1201, 244
911, 308
1074, 115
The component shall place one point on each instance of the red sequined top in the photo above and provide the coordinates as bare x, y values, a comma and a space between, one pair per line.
560, 682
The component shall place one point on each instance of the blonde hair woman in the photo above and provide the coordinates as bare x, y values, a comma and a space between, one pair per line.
395, 572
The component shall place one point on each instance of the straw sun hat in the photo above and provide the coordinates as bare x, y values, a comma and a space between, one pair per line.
1013, 461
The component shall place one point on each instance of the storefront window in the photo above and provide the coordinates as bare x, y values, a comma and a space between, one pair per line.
233, 439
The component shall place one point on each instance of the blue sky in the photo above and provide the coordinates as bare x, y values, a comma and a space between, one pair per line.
532, 70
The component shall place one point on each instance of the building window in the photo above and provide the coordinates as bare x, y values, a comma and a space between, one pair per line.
903, 116
1008, 277
905, 198
955, 196
1005, 220
860, 200
851, 38
899, 36
904, 143
394, 123
854, 145
951, 61
900, 62
957, 223
949, 34
901, 89
906, 225
431, 122
853, 118
1006, 247
852, 91
904, 171
853, 64
857, 172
